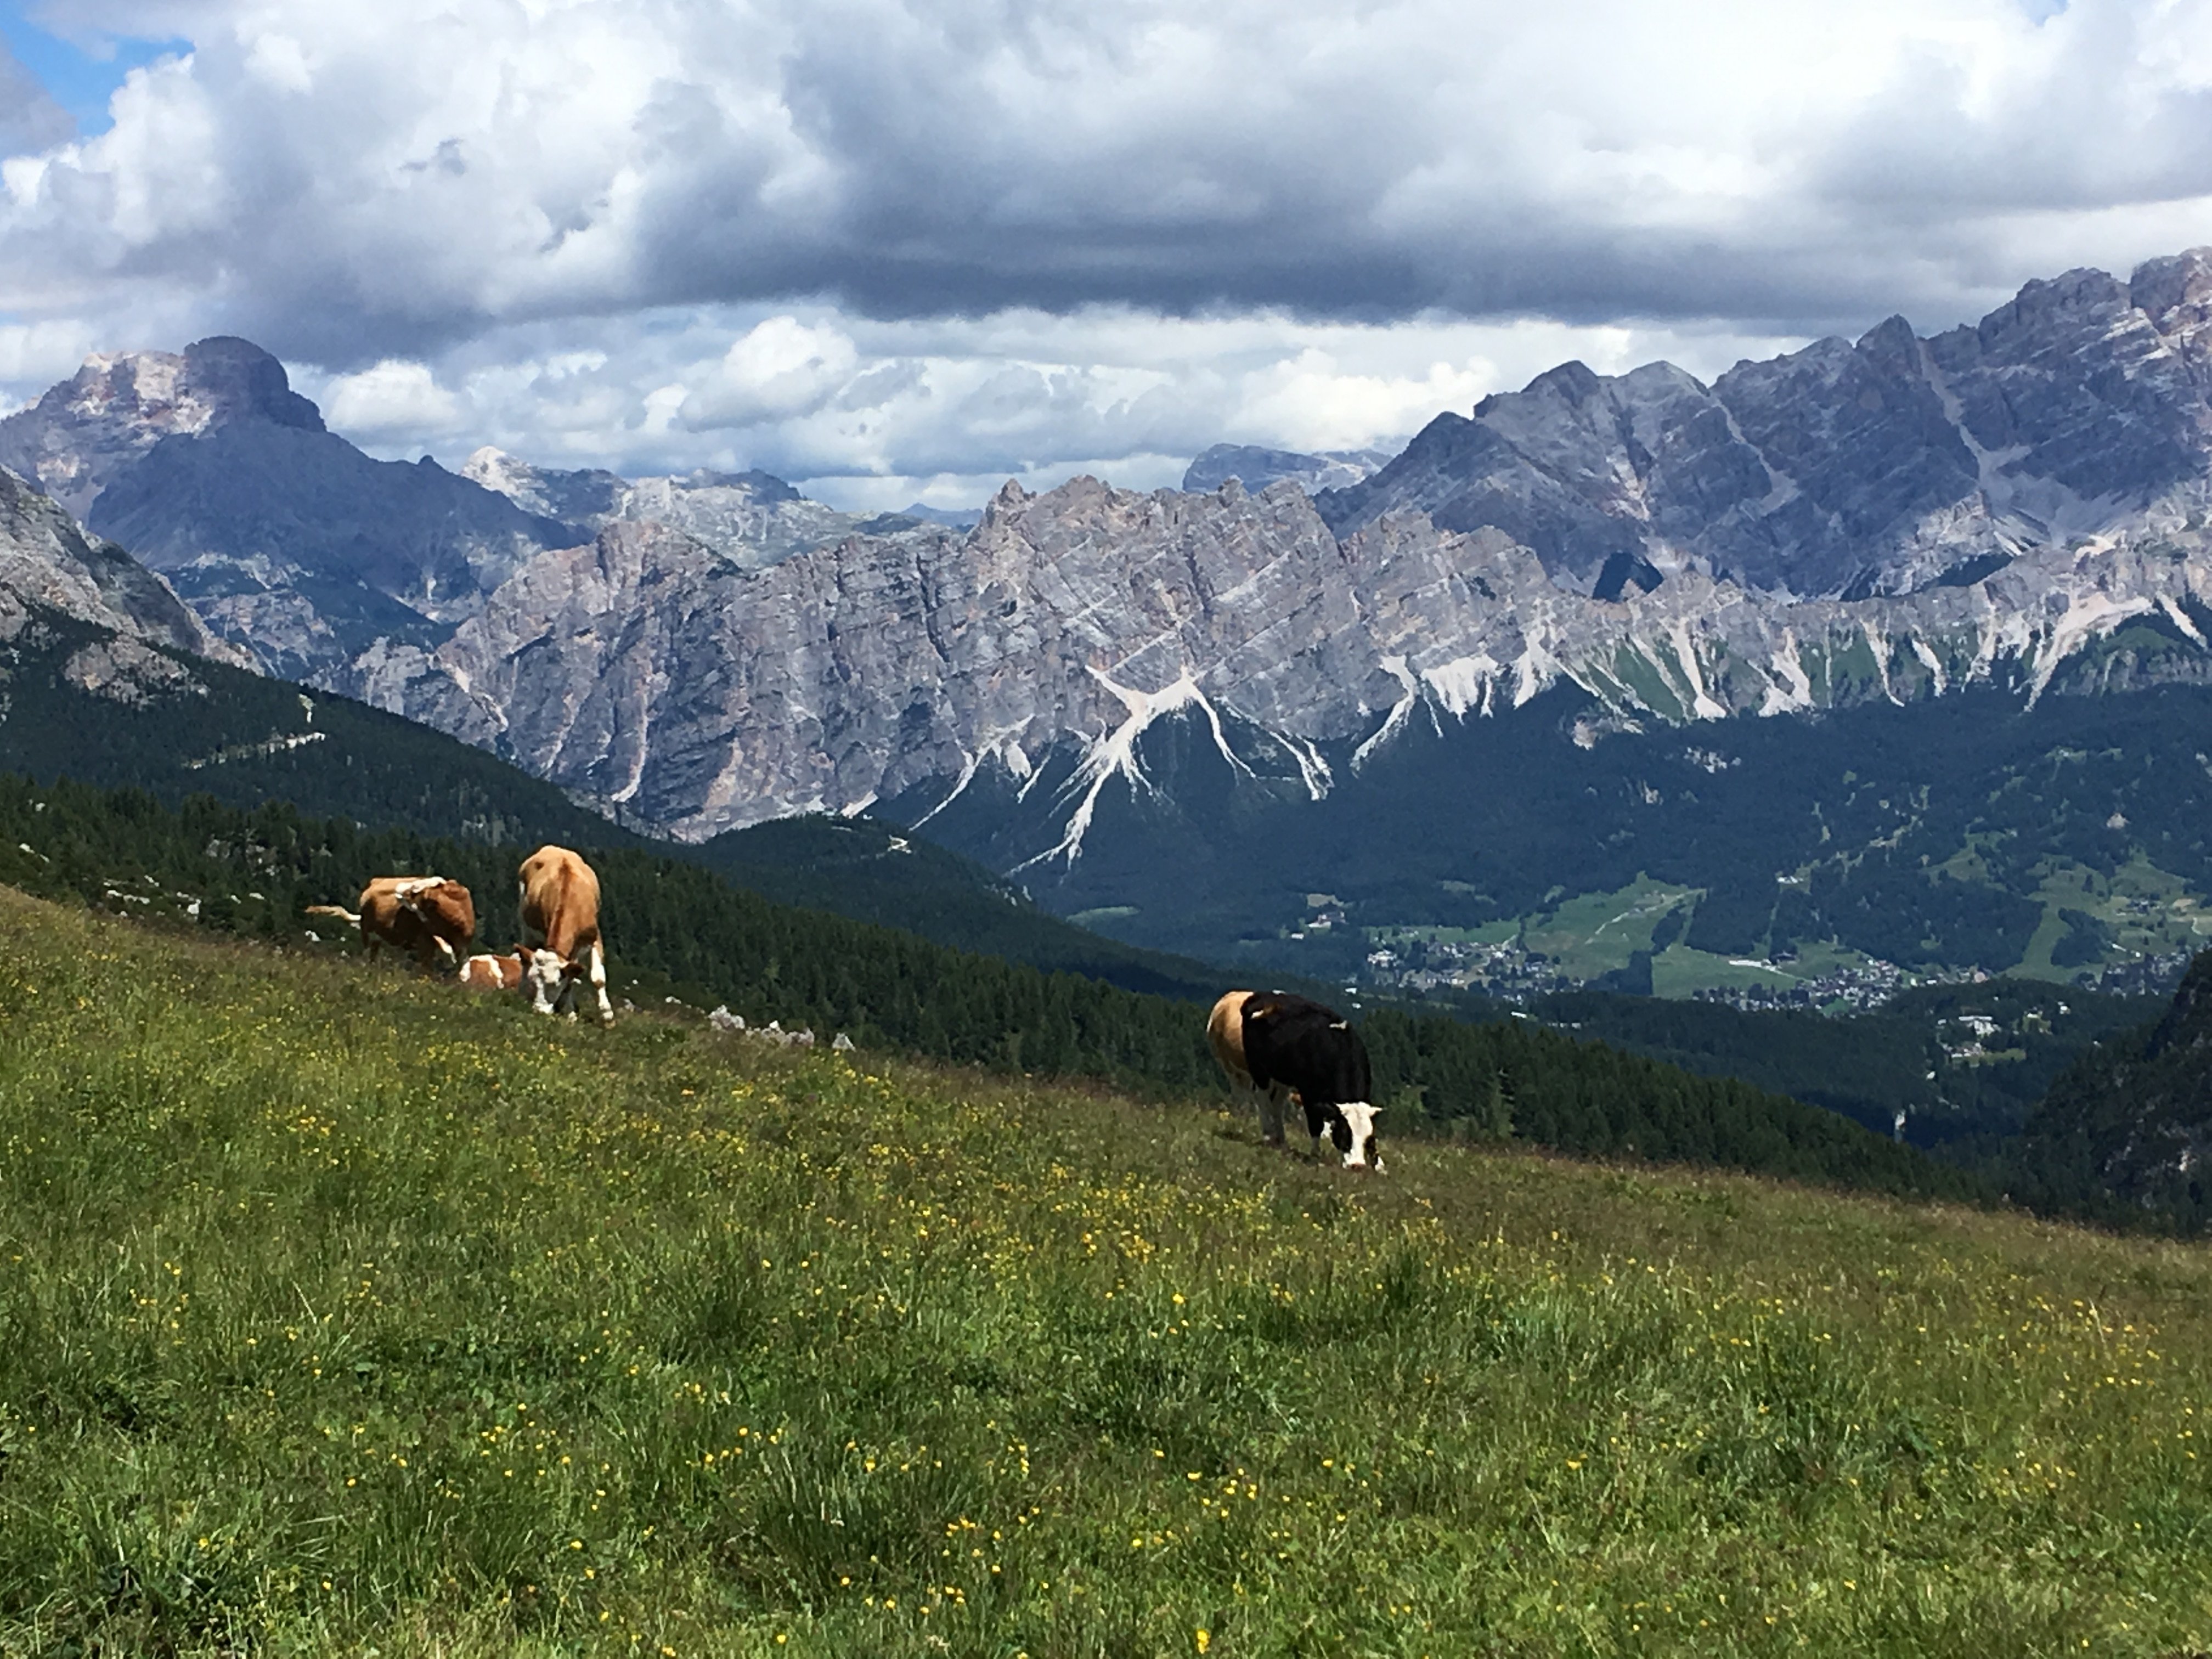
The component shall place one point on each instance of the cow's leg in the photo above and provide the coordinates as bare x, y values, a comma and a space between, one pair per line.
1316, 1122
1270, 1115
599, 984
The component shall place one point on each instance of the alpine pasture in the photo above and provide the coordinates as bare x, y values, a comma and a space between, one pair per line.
345, 1312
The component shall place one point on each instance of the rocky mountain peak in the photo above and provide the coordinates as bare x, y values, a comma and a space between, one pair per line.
2175, 294
1848, 468
751, 518
236, 380
587, 498
77, 437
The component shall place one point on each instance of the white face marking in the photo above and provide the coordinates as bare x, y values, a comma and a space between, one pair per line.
544, 978
1359, 1118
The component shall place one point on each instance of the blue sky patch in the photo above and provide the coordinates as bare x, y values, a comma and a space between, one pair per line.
79, 72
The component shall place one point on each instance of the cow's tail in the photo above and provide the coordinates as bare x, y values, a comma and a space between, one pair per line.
337, 910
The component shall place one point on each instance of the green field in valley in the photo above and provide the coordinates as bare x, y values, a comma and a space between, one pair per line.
341, 1312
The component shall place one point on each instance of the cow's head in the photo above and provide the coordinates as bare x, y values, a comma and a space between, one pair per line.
1351, 1131
546, 977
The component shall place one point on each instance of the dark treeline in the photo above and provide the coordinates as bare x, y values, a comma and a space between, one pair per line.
673, 924
1872, 1065
1538, 1085
2125, 1135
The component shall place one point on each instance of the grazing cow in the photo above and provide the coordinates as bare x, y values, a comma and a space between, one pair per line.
1312, 1051
504, 972
561, 929
429, 917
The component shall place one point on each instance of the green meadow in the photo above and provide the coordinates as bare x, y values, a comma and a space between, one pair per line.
345, 1313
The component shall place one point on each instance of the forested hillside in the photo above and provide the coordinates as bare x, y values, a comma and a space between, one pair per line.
871, 870
1964, 1063
179, 725
674, 927
2132, 1120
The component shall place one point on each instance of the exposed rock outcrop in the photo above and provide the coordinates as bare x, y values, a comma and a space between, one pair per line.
1844, 469
48, 563
649, 671
1257, 467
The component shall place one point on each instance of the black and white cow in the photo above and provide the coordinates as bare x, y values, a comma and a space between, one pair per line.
1288, 1041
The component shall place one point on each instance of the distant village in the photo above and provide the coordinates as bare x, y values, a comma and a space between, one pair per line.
1511, 972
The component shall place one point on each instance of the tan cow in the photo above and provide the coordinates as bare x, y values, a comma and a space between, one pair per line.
1224, 1031
561, 930
432, 919
486, 973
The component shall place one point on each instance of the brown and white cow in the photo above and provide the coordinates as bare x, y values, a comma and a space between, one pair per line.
430, 918
561, 931
488, 973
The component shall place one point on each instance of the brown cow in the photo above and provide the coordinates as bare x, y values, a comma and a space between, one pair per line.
432, 919
561, 929
504, 972
1224, 1031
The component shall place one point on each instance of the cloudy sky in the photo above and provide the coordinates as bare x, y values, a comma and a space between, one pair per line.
898, 250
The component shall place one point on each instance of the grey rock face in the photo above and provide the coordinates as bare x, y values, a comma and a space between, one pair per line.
754, 518
1842, 468
651, 674
47, 562
585, 497
1256, 467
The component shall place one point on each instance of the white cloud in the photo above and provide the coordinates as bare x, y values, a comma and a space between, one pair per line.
34, 355
778, 370
882, 241
875, 414
388, 401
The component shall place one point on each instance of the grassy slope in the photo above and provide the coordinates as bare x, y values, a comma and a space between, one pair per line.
340, 1309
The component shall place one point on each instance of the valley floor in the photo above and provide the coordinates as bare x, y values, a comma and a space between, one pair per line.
342, 1312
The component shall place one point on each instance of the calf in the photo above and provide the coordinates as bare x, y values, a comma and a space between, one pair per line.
429, 917
561, 929
504, 972
1314, 1052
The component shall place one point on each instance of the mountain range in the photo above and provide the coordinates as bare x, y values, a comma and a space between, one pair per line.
2011, 509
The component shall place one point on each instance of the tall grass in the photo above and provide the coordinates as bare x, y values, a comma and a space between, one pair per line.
341, 1312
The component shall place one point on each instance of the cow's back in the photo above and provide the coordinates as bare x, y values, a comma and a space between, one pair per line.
1224, 1033
560, 902
1312, 1049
